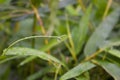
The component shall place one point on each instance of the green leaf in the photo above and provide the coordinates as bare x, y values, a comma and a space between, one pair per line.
40, 73
70, 9
78, 70
50, 45
101, 33
111, 68
27, 60
114, 52
54, 42
85, 76
79, 34
18, 51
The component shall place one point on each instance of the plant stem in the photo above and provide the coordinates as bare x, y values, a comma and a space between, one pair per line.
40, 21
33, 43
101, 50
71, 47
107, 8
34, 31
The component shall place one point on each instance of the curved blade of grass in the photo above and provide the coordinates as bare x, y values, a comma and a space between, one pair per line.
18, 51
54, 42
45, 48
85, 76
31, 37
101, 33
111, 68
78, 70
8, 59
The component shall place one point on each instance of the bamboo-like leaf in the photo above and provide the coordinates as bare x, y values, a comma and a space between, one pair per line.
80, 33
50, 45
36, 3
61, 38
111, 68
78, 70
114, 52
18, 51
85, 76
101, 32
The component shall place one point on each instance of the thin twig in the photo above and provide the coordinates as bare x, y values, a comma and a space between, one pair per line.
101, 50
70, 40
40, 21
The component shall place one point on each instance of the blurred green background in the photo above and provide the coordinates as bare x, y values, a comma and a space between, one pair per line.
59, 40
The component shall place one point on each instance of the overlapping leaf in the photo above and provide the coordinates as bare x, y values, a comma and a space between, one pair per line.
111, 68
78, 70
18, 51
101, 33
80, 33
51, 44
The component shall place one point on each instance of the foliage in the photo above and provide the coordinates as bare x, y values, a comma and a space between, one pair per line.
59, 40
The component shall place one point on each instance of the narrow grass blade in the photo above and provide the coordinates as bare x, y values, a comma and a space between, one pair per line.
78, 70
18, 51
79, 33
101, 33
8, 59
